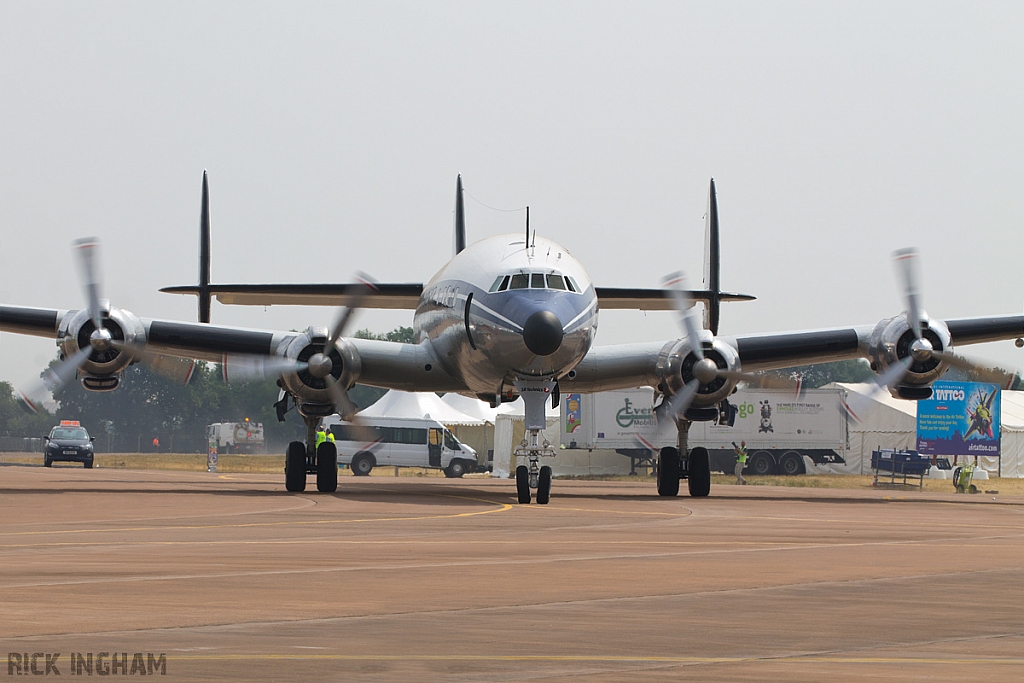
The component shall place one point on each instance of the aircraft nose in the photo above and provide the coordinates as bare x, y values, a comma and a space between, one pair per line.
543, 333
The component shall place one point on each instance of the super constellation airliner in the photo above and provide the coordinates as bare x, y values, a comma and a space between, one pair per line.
507, 317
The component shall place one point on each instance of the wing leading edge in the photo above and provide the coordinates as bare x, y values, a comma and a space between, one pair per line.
406, 296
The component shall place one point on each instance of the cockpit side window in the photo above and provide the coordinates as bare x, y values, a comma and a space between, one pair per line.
504, 284
537, 281
497, 283
519, 281
568, 284
555, 281
573, 285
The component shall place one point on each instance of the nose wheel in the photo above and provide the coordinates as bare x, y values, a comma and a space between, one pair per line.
533, 477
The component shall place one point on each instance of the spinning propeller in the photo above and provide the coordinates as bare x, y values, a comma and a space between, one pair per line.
100, 340
921, 348
705, 370
320, 365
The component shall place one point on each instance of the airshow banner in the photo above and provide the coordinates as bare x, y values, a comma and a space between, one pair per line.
961, 418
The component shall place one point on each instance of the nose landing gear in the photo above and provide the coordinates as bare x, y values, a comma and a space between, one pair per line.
528, 477
533, 477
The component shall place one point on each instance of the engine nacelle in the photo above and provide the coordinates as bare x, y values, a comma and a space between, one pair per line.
676, 366
311, 394
891, 342
102, 370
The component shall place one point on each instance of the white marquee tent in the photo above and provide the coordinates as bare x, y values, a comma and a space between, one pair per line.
480, 438
477, 408
892, 423
419, 405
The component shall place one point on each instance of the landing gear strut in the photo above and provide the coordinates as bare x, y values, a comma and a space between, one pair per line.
533, 476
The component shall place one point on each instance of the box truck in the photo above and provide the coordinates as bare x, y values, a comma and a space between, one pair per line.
780, 429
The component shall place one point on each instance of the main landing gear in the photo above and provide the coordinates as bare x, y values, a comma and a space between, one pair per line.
695, 468
305, 458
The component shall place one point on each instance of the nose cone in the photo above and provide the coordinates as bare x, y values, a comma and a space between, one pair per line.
542, 333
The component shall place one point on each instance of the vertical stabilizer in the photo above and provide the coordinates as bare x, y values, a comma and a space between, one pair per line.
712, 264
204, 254
460, 217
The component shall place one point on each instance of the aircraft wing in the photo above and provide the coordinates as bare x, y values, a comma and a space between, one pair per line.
637, 299
384, 295
390, 365
624, 366
406, 296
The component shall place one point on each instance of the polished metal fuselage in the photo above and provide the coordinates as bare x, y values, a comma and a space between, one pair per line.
483, 347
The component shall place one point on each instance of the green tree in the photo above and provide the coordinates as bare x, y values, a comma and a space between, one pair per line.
818, 375
16, 420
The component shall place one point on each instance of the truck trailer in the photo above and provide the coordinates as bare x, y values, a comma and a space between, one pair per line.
779, 429
236, 437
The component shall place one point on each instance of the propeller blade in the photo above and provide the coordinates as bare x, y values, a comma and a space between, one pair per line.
987, 374
858, 403
681, 401
87, 250
178, 370
766, 381
674, 284
342, 403
341, 322
52, 380
240, 367
906, 262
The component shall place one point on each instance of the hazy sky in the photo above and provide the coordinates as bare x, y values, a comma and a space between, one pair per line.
333, 134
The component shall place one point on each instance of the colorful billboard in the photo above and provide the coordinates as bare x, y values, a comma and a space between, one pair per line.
961, 418
573, 414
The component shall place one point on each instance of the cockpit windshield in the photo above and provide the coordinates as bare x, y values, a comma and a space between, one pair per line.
535, 281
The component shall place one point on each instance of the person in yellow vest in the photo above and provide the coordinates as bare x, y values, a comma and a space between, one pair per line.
741, 460
322, 436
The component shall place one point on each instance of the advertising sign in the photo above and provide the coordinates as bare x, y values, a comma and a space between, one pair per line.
623, 414
961, 418
211, 456
573, 413
770, 419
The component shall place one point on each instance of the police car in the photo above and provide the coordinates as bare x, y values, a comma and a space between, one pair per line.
69, 442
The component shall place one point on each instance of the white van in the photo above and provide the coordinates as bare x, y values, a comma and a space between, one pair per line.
399, 441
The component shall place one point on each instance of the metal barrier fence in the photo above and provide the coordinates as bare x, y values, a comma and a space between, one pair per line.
21, 444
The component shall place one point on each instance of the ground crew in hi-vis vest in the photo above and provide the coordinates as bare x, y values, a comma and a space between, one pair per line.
322, 436
741, 460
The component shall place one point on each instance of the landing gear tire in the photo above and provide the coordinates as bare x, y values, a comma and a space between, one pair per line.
362, 465
668, 471
523, 484
544, 486
699, 480
456, 468
327, 467
295, 467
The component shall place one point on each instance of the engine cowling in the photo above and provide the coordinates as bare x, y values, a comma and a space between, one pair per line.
891, 342
102, 369
677, 367
312, 395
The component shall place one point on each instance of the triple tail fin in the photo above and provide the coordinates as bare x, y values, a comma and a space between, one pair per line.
712, 264
204, 254
460, 217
